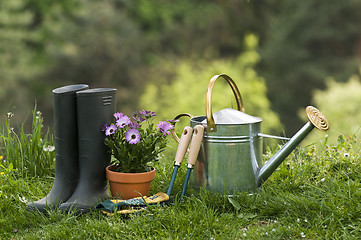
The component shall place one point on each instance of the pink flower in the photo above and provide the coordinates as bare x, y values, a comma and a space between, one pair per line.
123, 121
118, 115
164, 127
132, 136
110, 130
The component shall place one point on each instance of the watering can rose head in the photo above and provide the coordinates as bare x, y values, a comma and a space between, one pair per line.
135, 142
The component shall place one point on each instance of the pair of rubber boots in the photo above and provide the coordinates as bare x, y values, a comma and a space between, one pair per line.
81, 155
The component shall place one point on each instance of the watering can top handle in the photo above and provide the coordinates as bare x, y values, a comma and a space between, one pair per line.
211, 126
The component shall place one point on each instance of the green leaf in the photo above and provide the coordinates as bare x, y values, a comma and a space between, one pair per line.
246, 216
234, 203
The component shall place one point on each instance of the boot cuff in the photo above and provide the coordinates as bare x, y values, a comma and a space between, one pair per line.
95, 91
70, 89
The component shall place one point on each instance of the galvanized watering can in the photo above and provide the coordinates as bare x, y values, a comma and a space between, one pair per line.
230, 158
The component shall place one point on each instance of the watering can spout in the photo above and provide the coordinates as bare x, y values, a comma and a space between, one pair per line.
316, 119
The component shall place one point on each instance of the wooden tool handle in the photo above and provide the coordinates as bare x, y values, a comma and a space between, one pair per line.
195, 145
183, 145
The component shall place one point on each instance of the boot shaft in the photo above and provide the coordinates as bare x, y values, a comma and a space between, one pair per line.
65, 108
66, 131
95, 108
66, 148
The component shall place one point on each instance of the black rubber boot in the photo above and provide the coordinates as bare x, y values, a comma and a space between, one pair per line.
66, 148
95, 108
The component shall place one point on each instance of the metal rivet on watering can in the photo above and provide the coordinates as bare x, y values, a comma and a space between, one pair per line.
230, 157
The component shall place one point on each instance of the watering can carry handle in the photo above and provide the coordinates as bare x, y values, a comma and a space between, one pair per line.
176, 118
211, 126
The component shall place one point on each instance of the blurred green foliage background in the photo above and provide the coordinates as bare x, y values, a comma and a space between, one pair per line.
161, 54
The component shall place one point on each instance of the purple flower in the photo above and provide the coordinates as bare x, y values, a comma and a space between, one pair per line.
138, 118
104, 127
123, 121
173, 121
118, 115
164, 126
134, 125
147, 113
110, 130
132, 136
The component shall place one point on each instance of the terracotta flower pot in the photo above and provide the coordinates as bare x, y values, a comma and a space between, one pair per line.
129, 185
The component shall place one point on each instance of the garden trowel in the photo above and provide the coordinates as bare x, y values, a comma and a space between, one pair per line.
192, 156
181, 151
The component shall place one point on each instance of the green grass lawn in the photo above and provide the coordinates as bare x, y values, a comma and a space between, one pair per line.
312, 195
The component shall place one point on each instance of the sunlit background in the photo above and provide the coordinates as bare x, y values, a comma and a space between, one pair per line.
161, 54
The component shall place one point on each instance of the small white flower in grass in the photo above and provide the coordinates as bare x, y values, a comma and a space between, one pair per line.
48, 148
306, 220
298, 220
322, 180
10, 115
274, 230
23, 200
110, 224
303, 235
244, 234
346, 154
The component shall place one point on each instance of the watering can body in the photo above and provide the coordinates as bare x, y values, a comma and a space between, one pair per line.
230, 157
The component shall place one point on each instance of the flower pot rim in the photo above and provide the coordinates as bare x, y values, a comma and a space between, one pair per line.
110, 168
129, 177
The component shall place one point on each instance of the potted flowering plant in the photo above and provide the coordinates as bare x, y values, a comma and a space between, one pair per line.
134, 144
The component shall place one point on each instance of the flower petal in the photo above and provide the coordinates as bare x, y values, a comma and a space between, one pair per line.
132, 136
